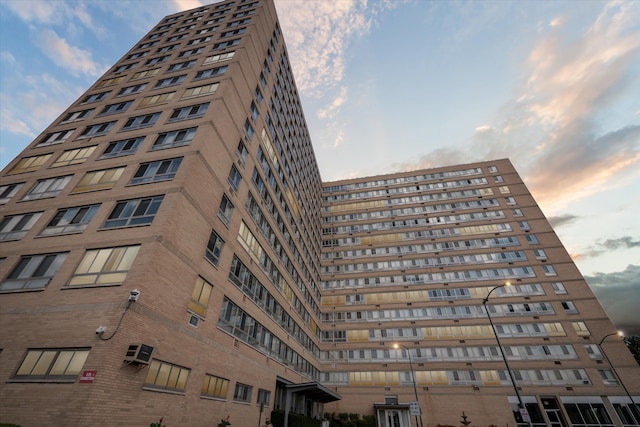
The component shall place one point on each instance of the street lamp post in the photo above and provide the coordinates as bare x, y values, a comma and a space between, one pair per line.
521, 407
612, 367
413, 379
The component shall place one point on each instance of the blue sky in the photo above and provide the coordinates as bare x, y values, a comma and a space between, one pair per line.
400, 85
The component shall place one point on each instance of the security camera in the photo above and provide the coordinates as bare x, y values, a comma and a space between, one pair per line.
134, 295
101, 330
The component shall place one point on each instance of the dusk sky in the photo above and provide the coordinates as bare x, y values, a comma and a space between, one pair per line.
390, 86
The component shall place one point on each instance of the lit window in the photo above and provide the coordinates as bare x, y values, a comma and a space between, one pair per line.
504, 189
581, 329
218, 58
174, 139
96, 130
161, 170
166, 376
225, 210
200, 297
74, 157
162, 98
98, 180
52, 364
55, 138
49, 187
8, 191
123, 147
70, 220
29, 164
190, 112
214, 387
128, 213
14, 227
200, 90
214, 248
138, 122
33, 271
111, 81
145, 74
234, 178
242, 393
103, 267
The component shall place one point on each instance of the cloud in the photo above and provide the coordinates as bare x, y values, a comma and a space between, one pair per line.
560, 220
608, 245
619, 294
7, 57
553, 128
332, 110
69, 57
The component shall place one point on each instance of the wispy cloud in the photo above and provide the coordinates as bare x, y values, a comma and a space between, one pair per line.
600, 247
552, 128
619, 294
73, 59
560, 220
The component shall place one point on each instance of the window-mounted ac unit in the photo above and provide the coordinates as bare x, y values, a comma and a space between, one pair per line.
139, 353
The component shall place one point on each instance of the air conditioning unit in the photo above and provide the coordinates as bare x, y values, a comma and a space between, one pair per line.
139, 353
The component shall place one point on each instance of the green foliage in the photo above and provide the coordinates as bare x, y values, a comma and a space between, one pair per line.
158, 424
345, 419
633, 344
224, 422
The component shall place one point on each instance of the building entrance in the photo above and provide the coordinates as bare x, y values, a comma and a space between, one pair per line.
398, 417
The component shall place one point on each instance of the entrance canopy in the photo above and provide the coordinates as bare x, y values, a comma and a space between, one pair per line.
314, 391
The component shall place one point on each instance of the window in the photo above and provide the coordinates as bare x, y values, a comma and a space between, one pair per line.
629, 413
190, 52
95, 97
123, 147
540, 254
225, 210
175, 138
214, 248
129, 213
136, 55
166, 376
14, 227
167, 48
498, 179
170, 81
516, 212
111, 81
264, 397
214, 387
588, 414
254, 111
218, 58
70, 220
608, 377
29, 164
52, 364
510, 200
55, 138
103, 267
593, 351
125, 67
74, 157
33, 271
193, 92
569, 307
96, 130
211, 72
130, 90
581, 329
181, 66
145, 74
224, 45
242, 152
141, 121
76, 116
248, 130
49, 187
558, 288
161, 170
234, 178
159, 99
258, 95
524, 226
531, 239
549, 270
492, 169
8, 191
200, 297
98, 180
190, 112
157, 60
119, 107
242, 393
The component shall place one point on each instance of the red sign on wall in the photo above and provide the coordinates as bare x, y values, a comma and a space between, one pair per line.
88, 376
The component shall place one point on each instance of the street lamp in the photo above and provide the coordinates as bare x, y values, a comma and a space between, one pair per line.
611, 364
521, 407
413, 379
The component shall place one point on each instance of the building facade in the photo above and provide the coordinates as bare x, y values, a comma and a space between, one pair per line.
169, 250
